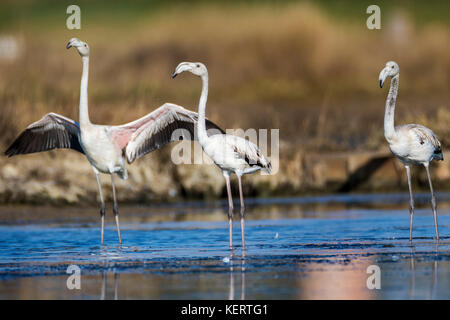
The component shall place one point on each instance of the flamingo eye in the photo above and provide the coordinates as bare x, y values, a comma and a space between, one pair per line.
392, 67
198, 66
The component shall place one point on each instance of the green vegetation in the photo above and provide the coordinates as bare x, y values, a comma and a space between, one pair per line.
51, 12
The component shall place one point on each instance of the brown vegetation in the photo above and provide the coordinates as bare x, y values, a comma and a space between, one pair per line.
291, 67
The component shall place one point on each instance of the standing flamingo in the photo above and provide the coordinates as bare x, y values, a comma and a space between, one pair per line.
106, 147
230, 153
410, 143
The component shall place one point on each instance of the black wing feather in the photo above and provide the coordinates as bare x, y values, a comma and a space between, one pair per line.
166, 135
53, 131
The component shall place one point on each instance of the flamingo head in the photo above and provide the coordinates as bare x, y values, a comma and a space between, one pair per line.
197, 68
82, 47
390, 70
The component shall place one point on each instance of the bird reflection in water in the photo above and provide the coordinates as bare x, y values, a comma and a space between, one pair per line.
412, 283
116, 285
242, 269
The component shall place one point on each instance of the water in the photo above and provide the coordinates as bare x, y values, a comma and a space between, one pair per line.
297, 248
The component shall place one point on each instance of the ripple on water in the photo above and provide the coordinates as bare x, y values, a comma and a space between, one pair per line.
284, 247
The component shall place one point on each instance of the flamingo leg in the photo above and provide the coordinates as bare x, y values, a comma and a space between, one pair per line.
116, 208
241, 196
102, 208
433, 201
230, 210
411, 202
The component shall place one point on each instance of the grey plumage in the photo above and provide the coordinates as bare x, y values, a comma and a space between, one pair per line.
410, 143
169, 123
53, 131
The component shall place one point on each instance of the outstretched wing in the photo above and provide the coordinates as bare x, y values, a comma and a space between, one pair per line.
53, 131
157, 129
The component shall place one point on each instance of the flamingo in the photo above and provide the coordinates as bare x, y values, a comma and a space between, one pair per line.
410, 143
106, 147
232, 154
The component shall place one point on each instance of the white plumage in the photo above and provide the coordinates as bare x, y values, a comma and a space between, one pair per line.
410, 143
107, 147
230, 153
235, 154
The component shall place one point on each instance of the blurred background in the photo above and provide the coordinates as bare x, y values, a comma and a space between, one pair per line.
308, 68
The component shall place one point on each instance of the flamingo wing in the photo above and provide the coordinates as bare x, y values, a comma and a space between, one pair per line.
250, 153
53, 131
424, 135
166, 124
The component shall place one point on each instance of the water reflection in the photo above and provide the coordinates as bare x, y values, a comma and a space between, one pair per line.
433, 289
435, 272
302, 251
103, 294
256, 209
232, 276
339, 280
413, 272
237, 267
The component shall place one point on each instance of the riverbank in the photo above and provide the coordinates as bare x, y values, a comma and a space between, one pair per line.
65, 177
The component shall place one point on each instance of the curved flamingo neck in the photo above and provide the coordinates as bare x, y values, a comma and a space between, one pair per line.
389, 129
201, 125
84, 110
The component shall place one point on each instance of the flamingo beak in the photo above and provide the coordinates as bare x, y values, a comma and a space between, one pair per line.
383, 76
74, 42
182, 67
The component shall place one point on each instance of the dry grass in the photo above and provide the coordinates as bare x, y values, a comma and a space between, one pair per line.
291, 67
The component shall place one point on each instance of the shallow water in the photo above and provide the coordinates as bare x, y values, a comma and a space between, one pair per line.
297, 248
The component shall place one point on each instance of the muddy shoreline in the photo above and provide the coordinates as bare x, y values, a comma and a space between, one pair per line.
65, 178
